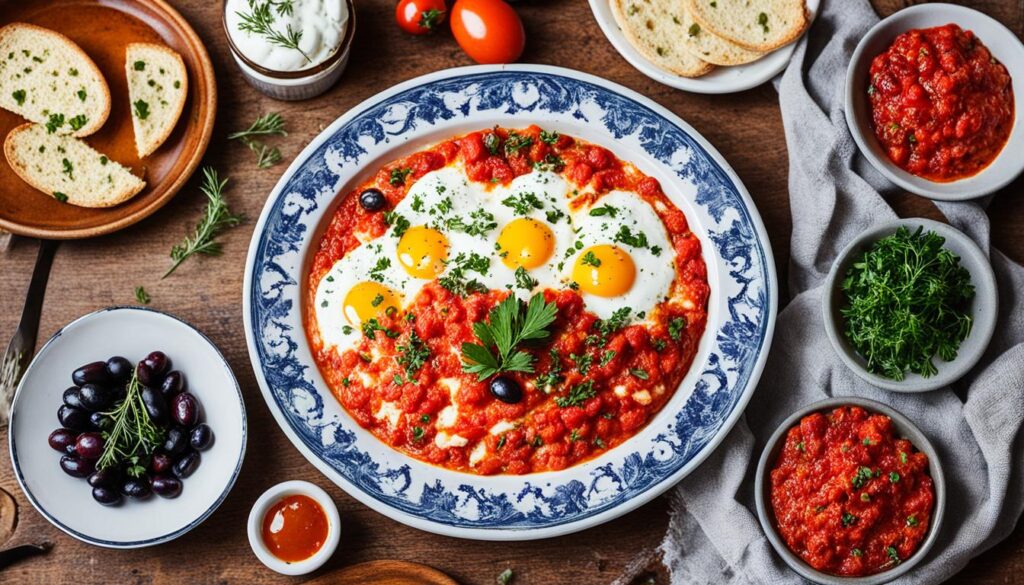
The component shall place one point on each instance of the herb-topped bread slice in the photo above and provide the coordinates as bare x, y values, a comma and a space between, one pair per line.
758, 25
68, 169
157, 87
649, 26
49, 80
707, 45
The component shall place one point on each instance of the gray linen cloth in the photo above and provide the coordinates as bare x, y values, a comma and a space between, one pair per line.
714, 535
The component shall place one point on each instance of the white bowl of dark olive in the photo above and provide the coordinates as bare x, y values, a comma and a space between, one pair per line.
127, 414
910, 305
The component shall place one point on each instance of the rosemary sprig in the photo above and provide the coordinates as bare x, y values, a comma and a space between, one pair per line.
216, 218
266, 157
266, 125
133, 437
259, 21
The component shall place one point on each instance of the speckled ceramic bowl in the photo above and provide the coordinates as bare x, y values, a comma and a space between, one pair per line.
762, 486
1004, 45
984, 307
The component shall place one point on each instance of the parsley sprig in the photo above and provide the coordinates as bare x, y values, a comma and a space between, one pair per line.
216, 219
907, 301
509, 324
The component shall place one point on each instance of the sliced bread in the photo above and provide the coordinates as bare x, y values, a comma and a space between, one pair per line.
709, 46
758, 25
157, 87
68, 169
649, 27
49, 80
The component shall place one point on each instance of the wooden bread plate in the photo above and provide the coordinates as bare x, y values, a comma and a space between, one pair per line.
103, 28
384, 573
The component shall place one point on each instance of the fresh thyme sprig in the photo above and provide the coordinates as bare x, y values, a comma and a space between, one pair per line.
216, 219
266, 157
133, 436
266, 125
259, 21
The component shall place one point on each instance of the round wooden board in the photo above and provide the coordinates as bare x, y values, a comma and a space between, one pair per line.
384, 573
103, 28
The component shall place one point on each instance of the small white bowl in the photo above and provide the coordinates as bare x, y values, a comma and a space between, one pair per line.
271, 497
1005, 47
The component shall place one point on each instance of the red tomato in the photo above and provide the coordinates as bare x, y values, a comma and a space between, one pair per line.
489, 31
418, 17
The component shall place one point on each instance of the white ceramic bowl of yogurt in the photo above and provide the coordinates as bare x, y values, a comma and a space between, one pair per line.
290, 50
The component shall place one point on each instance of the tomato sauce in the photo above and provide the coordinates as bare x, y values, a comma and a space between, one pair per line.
295, 528
942, 106
849, 498
545, 436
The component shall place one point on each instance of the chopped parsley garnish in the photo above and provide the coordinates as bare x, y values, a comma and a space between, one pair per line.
516, 142
574, 436
414, 354
639, 373
856, 552
501, 442
69, 169
397, 221
141, 109
608, 210
54, 122
893, 477
548, 137
417, 433
903, 457
551, 163
599, 443
583, 362
603, 328
523, 203
577, 395
60, 197
82, 95
78, 122
848, 519
912, 521
481, 222
590, 259
398, 176
659, 345
676, 327
139, 65
492, 142
457, 282
510, 323
417, 203
860, 478
626, 236
19, 96
549, 380
894, 555
377, 273
373, 325
377, 300
908, 300
554, 216
694, 30
524, 280
607, 357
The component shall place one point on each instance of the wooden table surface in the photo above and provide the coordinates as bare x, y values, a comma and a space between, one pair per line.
88, 275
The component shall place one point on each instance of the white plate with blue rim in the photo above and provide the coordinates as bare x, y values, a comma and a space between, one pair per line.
428, 109
131, 332
732, 79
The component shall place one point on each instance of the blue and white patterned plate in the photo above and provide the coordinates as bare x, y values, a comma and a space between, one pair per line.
434, 107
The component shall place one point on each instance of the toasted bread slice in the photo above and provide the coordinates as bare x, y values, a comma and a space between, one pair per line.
157, 87
708, 46
49, 80
649, 27
758, 25
68, 169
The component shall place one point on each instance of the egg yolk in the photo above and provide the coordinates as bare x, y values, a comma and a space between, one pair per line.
422, 252
366, 300
527, 243
604, 271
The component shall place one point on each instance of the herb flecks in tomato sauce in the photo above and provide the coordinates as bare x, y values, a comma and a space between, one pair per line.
588, 384
941, 104
849, 498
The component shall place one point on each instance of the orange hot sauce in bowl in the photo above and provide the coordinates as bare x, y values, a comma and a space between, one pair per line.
295, 528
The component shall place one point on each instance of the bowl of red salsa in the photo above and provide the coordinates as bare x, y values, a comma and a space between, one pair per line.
849, 491
933, 100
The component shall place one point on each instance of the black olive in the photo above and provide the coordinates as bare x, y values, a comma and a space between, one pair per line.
160, 464
106, 496
201, 437
136, 487
177, 440
372, 200
100, 421
158, 362
173, 385
186, 465
107, 477
167, 487
61, 438
156, 406
73, 397
119, 369
76, 467
506, 390
73, 418
185, 410
95, 397
94, 373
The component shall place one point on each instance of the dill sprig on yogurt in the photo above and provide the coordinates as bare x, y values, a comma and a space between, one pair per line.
259, 20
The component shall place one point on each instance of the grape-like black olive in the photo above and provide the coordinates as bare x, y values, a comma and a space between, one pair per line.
158, 362
136, 487
73, 397
94, 373
186, 465
167, 487
156, 406
173, 385
76, 467
100, 421
201, 437
106, 495
119, 369
185, 410
61, 438
73, 418
506, 390
161, 463
107, 477
372, 200
95, 397
89, 445
146, 375
176, 442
